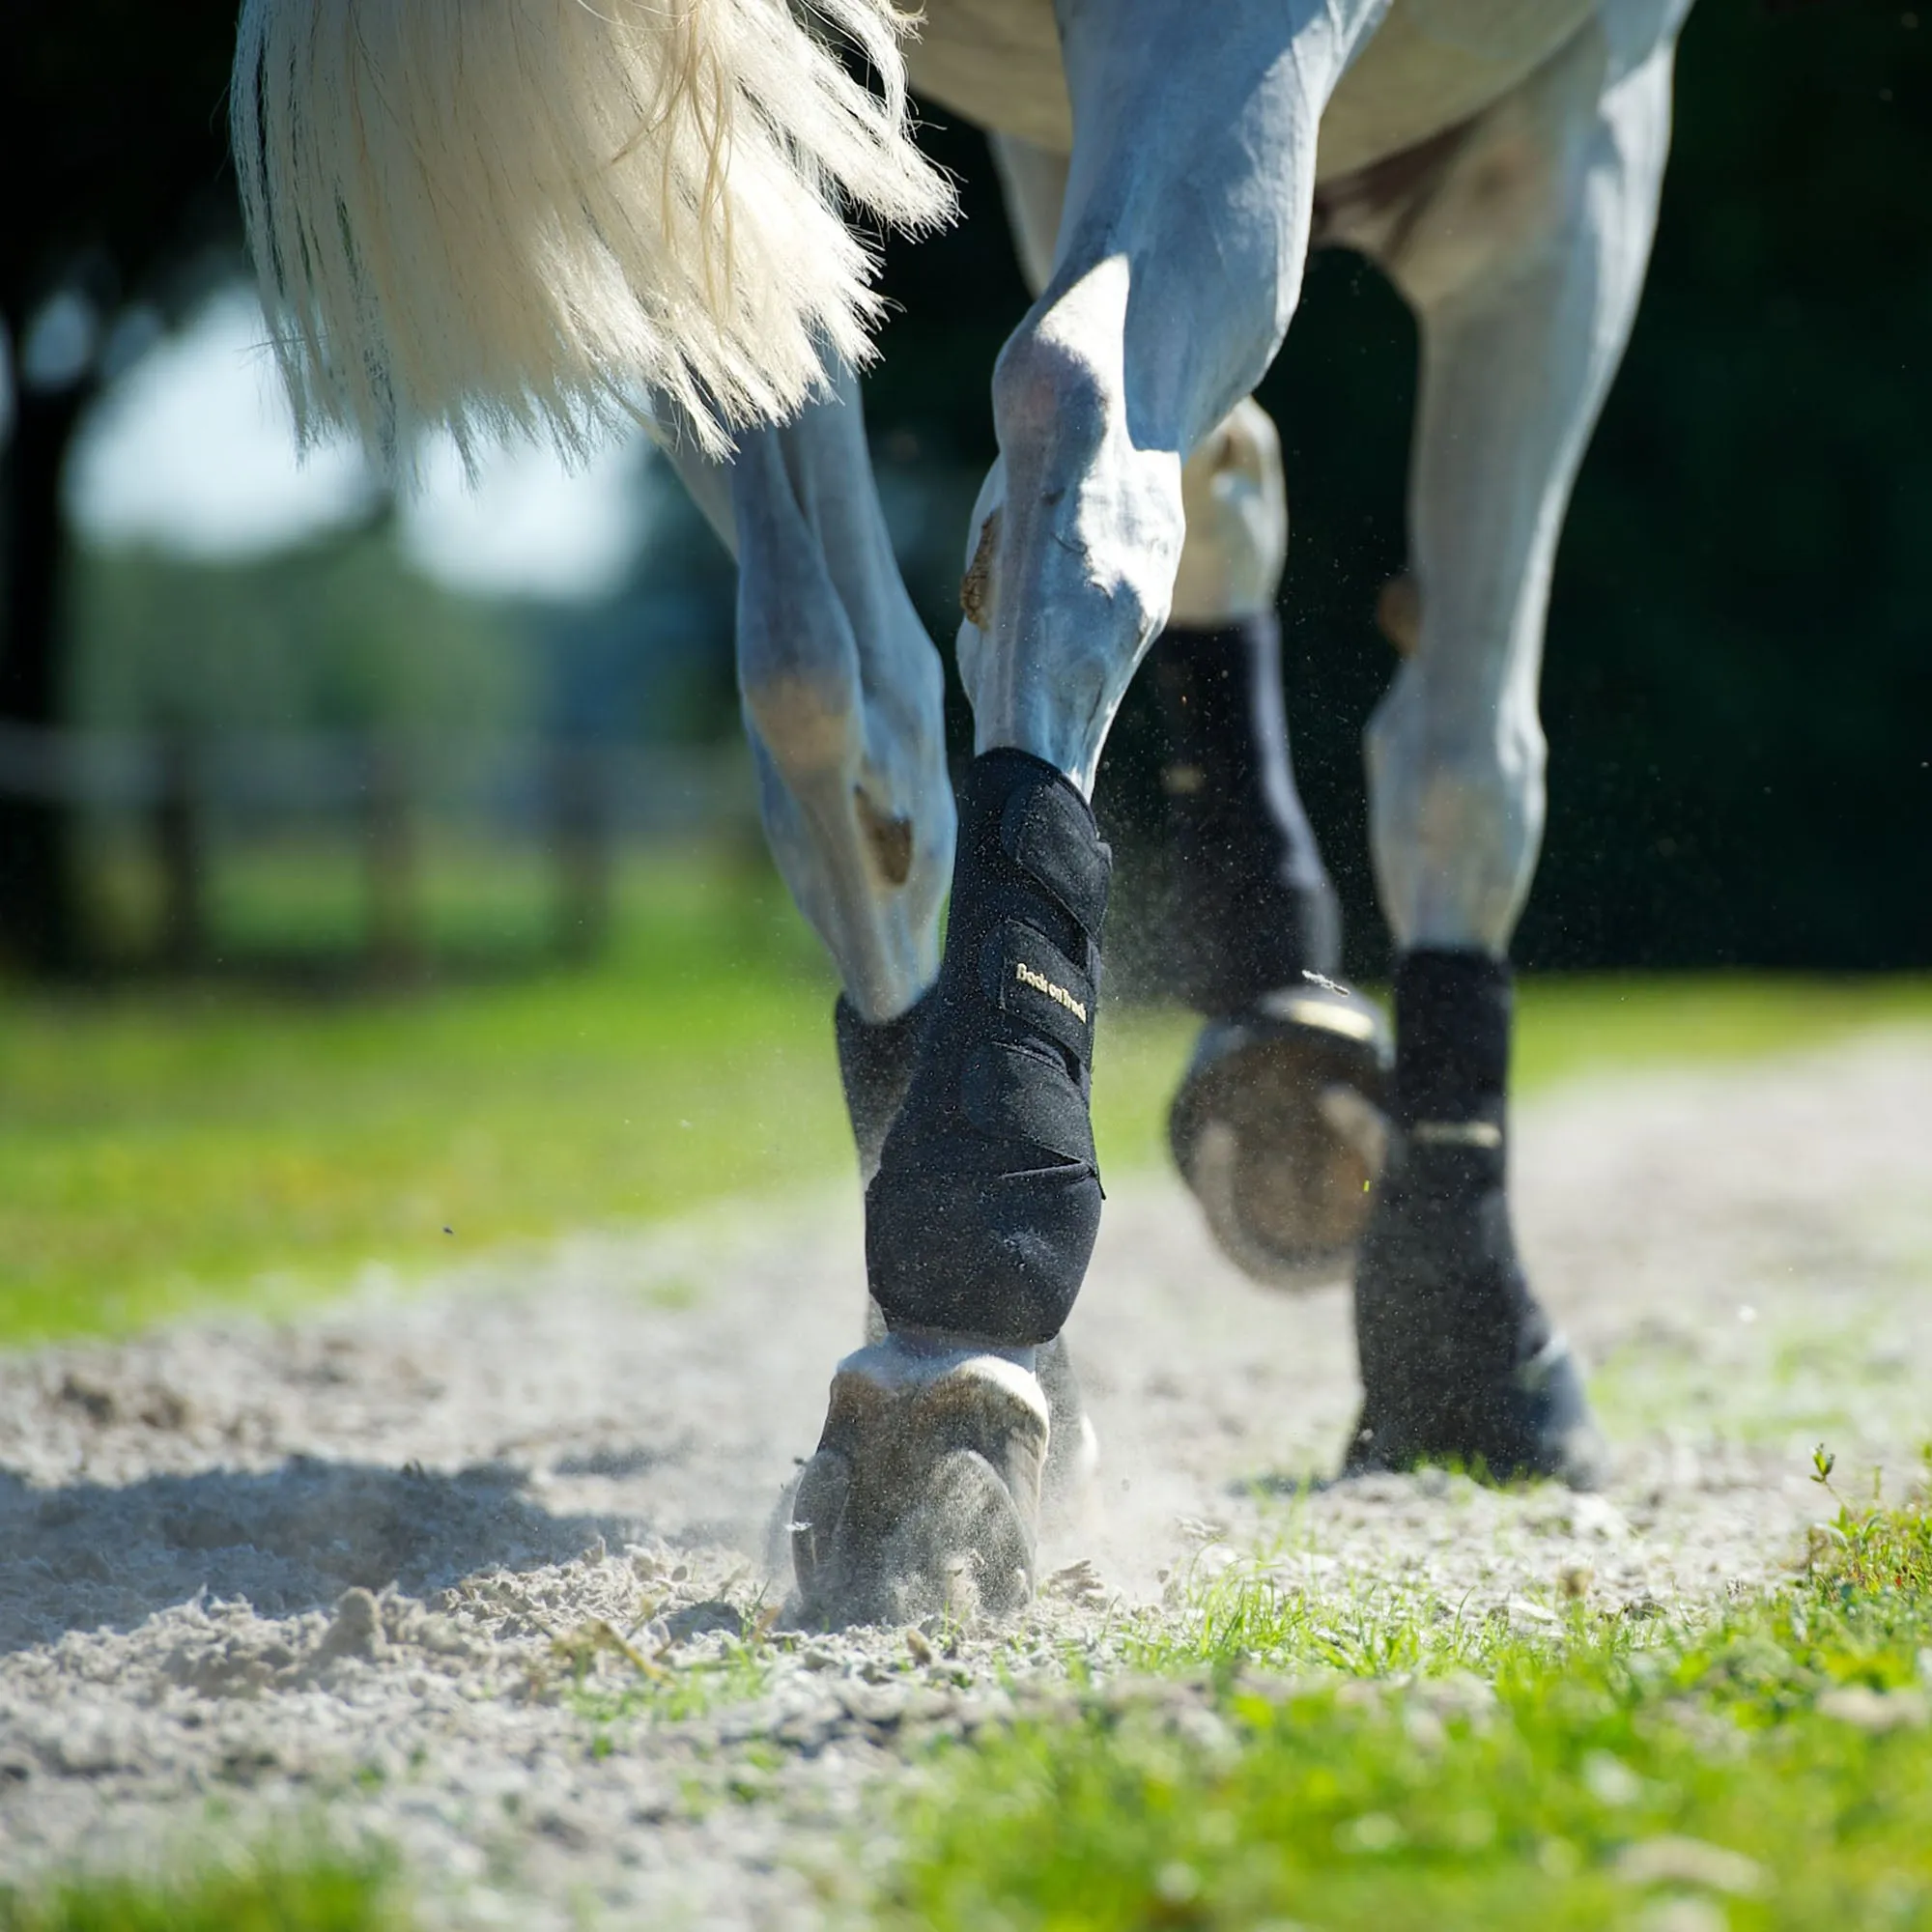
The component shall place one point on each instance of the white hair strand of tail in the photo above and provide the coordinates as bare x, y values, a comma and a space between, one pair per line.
528, 215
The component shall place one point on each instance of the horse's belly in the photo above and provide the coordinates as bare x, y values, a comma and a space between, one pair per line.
1431, 63
997, 63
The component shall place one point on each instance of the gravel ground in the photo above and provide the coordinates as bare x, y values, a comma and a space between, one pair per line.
260, 1580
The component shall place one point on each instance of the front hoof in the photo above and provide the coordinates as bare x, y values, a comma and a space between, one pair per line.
924, 1493
1532, 1425
1070, 1485
1460, 1363
1277, 1130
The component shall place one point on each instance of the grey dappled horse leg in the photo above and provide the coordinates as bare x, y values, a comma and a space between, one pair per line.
1179, 265
1523, 259
896, 708
1524, 267
1234, 507
1277, 1123
843, 694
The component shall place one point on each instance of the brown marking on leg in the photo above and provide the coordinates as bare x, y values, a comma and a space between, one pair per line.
889, 838
976, 588
1399, 615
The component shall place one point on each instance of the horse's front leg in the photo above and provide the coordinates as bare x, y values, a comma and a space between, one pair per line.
1179, 265
1276, 1124
1524, 260
843, 699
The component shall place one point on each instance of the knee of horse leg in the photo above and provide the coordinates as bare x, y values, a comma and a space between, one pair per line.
1456, 813
803, 711
1092, 521
866, 872
1236, 502
855, 800
1056, 387
884, 750
902, 806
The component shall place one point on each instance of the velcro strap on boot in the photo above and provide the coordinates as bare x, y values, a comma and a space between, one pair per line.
1048, 832
1027, 975
1013, 1095
982, 1216
1454, 1011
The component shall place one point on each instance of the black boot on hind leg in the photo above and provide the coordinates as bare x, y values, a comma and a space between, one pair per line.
877, 1058
926, 1488
1460, 1363
1277, 1124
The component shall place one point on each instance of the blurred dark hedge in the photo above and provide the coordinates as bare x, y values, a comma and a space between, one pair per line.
1738, 686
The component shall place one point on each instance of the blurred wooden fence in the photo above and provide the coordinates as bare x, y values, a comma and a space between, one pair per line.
578, 802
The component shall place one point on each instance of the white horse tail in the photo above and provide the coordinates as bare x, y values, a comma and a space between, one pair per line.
529, 215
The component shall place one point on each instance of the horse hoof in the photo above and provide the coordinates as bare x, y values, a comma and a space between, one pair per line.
1532, 1425
1460, 1363
1070, 1483
1067, 1485
924, 1493
1277, 1129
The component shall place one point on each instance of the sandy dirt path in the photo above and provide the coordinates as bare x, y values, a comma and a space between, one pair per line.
257, 1578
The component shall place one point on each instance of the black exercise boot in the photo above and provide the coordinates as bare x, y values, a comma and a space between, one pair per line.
1276, 1127
982, 1216
875, 1066
924, 1493
1460, 1363
875, 1063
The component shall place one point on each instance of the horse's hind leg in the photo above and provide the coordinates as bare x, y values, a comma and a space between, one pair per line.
1178, 270
841, 692
1523, 259
1276, 1124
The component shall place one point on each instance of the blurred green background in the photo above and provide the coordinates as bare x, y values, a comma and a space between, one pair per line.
351, 907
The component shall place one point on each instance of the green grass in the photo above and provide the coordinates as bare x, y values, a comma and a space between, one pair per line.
162, 1149
618, 1678
326, 1895
1568, 1028
1586, 1025
1768, 1767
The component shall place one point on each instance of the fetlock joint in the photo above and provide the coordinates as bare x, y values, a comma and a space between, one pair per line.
1459, 1362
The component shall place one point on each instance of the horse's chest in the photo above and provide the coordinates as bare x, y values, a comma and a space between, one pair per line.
1431, 63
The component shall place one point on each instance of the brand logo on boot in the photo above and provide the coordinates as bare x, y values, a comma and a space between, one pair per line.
1041, 983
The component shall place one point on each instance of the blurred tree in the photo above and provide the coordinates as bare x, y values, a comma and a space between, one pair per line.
337, 636
113, 148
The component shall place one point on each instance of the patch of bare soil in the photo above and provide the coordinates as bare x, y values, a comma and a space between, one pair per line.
347, 1574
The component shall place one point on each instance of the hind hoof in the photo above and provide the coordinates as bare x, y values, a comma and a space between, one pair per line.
924, 1493
1277, 1131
